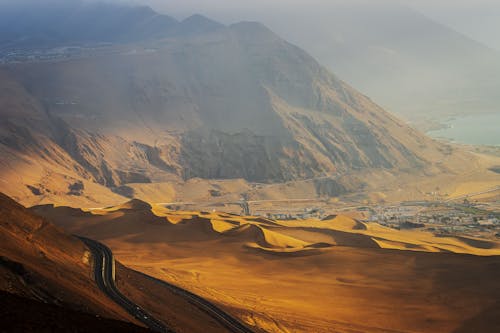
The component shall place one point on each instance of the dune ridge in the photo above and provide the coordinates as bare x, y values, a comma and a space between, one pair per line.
141, 221
306, 275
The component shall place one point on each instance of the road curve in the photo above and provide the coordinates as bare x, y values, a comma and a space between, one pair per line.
231, 323
104, 276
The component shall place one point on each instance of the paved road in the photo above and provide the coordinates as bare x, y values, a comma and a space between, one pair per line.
104, 276
231, 323
104, 267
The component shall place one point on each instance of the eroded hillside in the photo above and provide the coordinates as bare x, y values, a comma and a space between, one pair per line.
224, 102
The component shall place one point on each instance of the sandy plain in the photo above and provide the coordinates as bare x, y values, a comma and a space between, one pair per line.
337, 275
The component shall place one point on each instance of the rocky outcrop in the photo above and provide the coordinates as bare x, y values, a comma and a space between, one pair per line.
217, 102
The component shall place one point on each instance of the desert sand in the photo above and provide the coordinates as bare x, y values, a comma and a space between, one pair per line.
45, 269
338, 275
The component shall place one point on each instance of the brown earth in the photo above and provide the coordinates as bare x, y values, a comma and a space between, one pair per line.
19, 314
40, 262
301, 276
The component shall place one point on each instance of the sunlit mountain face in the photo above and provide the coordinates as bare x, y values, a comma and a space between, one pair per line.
142, 98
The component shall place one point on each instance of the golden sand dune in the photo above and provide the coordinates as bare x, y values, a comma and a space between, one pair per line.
337, 275
252, 232
344, 222
335, 237
223, 225
134, 204
145, 223
412, 240
136, 219
255, 236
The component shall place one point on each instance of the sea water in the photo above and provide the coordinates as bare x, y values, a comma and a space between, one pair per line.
482, 129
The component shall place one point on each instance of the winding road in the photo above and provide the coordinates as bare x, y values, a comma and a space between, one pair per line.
231, 323
104, 272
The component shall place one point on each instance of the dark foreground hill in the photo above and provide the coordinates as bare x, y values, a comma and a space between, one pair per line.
19, 314
46, 284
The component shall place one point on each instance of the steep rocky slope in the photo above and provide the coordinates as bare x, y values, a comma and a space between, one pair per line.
41, 262
51, 273
217, 102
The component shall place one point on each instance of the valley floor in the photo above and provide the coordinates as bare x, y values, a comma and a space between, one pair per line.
337, 275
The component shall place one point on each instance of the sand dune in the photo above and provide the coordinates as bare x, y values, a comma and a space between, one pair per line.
134, 204
339, 238
337, 275
345, 223
139, 220
255, 236
408, 240
41, 262
222, 226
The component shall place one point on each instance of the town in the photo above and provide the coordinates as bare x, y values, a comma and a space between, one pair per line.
445, 218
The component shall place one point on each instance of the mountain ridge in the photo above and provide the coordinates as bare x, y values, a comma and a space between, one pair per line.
230, 102
396, 54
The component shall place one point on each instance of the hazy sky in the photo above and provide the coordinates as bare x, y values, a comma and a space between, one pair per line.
479, 19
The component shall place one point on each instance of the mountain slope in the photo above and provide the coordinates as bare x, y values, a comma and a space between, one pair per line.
53, 23
217, 102
41, 262
412, 65
50, 318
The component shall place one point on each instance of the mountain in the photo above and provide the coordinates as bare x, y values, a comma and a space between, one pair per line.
411, 64
39, 261
209, 101
52, 23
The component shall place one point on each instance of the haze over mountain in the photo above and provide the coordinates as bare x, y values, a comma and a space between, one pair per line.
477, 19
205, 100
411, 64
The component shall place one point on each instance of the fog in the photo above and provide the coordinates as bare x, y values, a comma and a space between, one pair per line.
389, 49
479, 19
438, 54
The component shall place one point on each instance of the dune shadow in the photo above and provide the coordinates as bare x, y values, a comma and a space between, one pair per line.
487, 320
